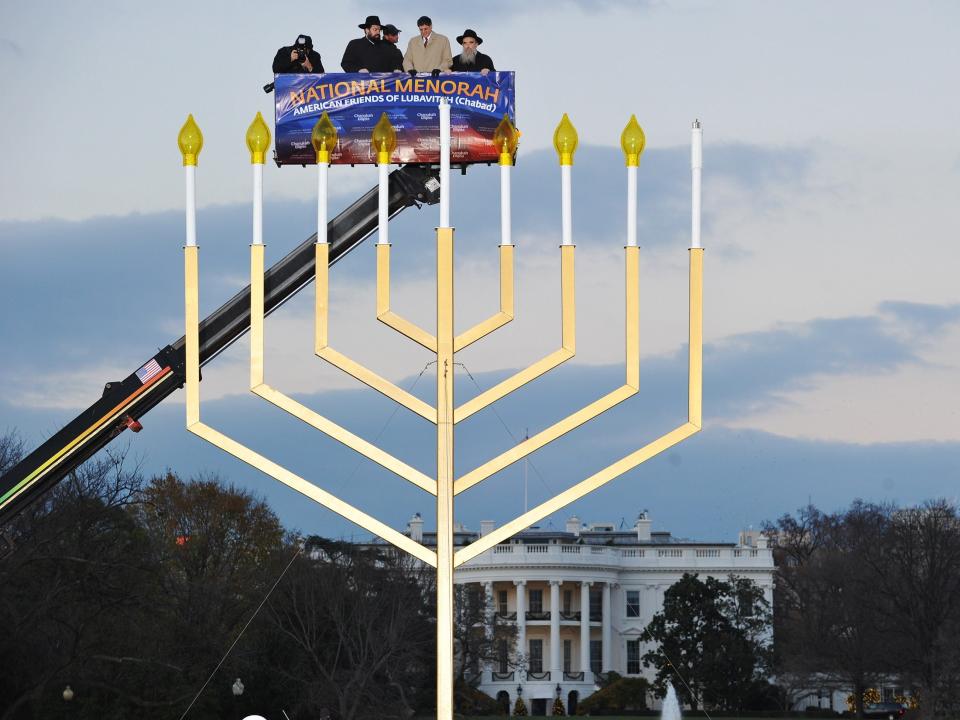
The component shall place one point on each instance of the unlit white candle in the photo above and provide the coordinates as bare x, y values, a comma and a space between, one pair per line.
191, 176
444, 164
257, 204
322, 171
631, 205
383, 231
505, 231
696, 165
566, 205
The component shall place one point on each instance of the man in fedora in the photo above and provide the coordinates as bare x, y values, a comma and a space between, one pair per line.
471, 59
428, 52
391, 36
365, 54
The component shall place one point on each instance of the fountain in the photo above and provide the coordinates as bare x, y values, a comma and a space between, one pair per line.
671, 706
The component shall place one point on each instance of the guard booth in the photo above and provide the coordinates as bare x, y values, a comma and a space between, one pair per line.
354, 102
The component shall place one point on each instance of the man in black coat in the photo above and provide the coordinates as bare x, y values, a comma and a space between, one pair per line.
366, 54
393, 54
297, 58
471, 59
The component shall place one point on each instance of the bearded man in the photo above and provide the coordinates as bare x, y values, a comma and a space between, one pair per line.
365, 54
471, 59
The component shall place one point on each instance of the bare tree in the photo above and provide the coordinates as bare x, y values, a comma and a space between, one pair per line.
357, 619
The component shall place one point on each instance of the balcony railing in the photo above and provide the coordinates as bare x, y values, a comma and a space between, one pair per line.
532, 675
538, 614
591, 555
573, 676
570, 615
507, 615
502, 676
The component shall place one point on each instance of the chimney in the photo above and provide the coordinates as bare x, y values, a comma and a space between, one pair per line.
573, 525
415, 528
643, 527
486, 527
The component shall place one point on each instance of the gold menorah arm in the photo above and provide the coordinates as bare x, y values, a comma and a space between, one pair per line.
630, 387
349, 366
386, 315
498, 319
627, 463
584, 487
567, 349
297, 409
251, 457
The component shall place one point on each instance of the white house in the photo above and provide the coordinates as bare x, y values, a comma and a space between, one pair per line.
581, 598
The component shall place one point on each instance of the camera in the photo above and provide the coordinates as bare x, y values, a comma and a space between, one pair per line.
301, 52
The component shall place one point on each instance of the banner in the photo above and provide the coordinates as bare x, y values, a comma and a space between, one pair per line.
355, 101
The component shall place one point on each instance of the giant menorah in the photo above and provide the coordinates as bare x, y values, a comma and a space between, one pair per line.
445, 343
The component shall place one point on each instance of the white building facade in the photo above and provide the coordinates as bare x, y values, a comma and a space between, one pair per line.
581, 598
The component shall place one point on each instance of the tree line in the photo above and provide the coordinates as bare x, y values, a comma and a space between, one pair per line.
130, 590
870, 594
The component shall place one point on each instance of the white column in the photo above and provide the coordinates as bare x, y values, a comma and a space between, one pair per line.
696, 166
383, 210
488, 628
322, 171
585, 629
190, 171
607, 629
555, 667
444, 164
521, 618
257, 203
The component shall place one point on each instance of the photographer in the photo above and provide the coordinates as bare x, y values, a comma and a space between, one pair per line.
298, 58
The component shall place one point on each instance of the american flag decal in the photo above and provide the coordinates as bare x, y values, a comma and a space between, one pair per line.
148, 371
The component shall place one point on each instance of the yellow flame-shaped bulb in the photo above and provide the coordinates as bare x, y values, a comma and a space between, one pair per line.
384, 139
632, 140
324, 138
505, 139
565, 140
190, 141
258, 140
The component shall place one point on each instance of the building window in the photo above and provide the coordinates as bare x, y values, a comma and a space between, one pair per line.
502, 657
567, 602
633, 603
536, 601
567, 655
596, 603
502, 602
633, 657
596, 656
536, 656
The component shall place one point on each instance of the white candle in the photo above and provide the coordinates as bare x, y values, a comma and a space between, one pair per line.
566, 204
505, 230
322, 170
383, 231
257, 204
631, 205
696, 165
444, 164
191, 175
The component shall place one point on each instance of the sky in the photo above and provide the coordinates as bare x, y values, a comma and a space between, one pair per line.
832, 311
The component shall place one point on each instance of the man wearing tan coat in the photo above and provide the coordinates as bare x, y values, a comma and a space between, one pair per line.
427, 52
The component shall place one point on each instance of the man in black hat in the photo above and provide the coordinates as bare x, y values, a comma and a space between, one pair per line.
297, 58
391, 35
471, 59
428, 52
365, 54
